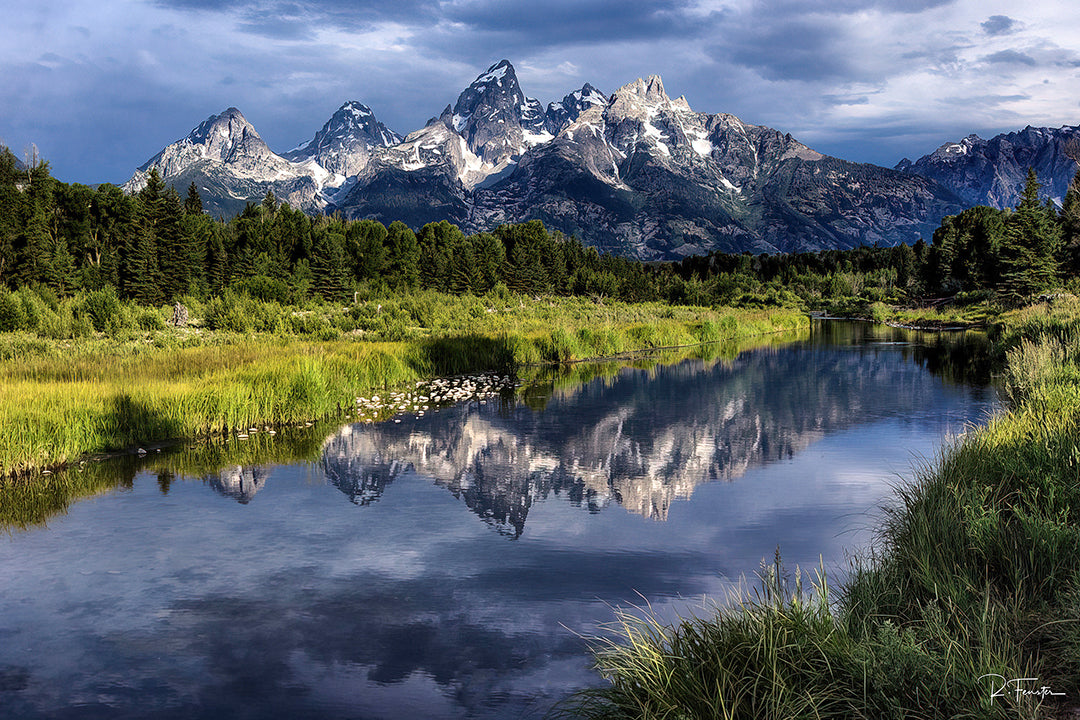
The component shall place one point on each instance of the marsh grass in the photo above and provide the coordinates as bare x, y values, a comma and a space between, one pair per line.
976, 571
63, 398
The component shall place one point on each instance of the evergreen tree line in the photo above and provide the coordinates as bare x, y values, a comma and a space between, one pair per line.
154, 247
1010, 254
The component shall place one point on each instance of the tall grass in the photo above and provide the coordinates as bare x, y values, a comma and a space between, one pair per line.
61, 399
976, 572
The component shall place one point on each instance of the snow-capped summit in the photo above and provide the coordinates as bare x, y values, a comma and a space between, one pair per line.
495, 118
227, 138
231, 165
561, 114
345, 143
953, 151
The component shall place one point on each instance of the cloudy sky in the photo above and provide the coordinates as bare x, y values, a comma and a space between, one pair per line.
102, 85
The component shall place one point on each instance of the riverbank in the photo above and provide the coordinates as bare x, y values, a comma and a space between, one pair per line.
63, 399
966, 315
974, 582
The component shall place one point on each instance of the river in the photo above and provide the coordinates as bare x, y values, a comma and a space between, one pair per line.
449, 565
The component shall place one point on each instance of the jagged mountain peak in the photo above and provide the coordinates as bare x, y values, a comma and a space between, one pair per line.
649, 90
226, 136
495, 118
496, 72
345, 143
949, 152
643, 98
563, 113
493, 90
230, 164
590, 94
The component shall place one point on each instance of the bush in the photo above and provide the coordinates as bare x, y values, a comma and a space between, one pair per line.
81, 326
104, 310
267, 289
32, 309
12, 317
149, 319
224, 313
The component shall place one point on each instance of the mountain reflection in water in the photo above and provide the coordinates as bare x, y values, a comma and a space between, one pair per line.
644, 438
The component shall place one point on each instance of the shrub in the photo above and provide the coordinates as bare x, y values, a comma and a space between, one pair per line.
225, 313
267, 289
104, 310
12, 317
32, 309
149, 319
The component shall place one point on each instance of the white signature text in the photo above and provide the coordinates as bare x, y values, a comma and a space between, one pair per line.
999, 687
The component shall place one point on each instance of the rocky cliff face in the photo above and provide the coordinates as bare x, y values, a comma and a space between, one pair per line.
992, 172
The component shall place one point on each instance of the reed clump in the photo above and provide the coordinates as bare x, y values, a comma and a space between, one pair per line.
974, 580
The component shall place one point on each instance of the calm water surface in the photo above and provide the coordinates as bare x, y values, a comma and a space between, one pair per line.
444, 566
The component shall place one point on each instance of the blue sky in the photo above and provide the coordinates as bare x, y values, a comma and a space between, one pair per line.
102, 85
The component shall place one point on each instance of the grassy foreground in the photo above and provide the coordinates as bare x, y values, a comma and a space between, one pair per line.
61, 399
974, 582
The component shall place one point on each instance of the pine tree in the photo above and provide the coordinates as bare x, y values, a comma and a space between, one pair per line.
269, 203
175, 248
490, 256
140, 274
193, 203
217, 260
33, 250
328, 263
10, 213
464, 272
402, 256
437, 241
1030, 245
365, 248
35, 244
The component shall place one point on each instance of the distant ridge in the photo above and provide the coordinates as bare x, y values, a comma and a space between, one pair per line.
992, 172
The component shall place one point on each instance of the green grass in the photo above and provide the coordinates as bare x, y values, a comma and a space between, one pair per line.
61, 399
976, 571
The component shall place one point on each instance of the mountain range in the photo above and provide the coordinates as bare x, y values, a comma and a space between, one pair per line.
633, 173
992, 172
